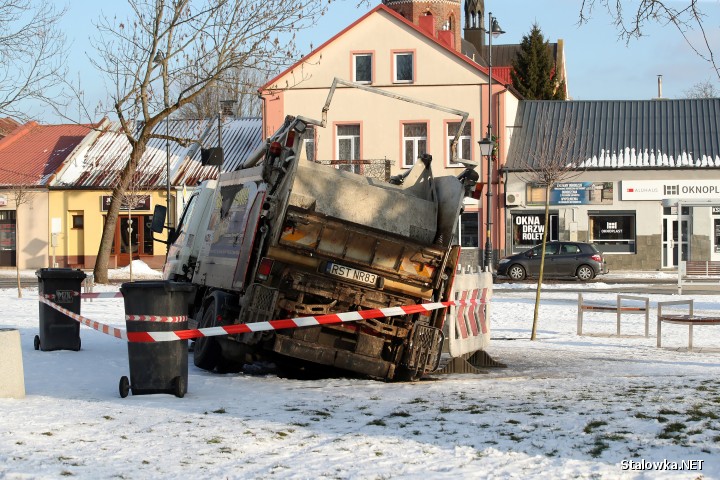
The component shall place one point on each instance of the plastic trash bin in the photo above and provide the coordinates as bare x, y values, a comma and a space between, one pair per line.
160, 367
57, 330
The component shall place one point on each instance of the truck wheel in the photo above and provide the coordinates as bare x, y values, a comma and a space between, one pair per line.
206, 354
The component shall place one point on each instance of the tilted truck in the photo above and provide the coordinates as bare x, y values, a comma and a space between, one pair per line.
284, 237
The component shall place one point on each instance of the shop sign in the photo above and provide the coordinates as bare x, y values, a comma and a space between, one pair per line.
3, 200
142, 203
661, 189
582, 193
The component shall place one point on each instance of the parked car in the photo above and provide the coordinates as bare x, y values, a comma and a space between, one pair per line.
572, 259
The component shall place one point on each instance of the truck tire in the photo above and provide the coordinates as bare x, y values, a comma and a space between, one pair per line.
207, 353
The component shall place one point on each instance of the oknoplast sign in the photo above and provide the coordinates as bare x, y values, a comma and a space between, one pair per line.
661, 189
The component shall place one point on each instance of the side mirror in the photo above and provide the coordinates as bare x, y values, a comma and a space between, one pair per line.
530, 253
158, 219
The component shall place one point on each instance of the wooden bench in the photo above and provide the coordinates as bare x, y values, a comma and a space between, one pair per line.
699, 272
689, 319
619, 308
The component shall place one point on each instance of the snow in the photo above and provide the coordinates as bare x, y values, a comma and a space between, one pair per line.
630, 157
565, 407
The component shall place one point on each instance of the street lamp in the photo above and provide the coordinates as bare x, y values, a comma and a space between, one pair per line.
487, 144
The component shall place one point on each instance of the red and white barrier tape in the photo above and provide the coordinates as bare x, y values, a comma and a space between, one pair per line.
329, 319
155, 318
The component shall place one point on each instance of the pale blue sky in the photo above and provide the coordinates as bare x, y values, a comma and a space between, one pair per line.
599, 65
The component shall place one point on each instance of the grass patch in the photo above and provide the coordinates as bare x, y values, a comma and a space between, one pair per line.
65, 473
590, 427
108, 417
446, 409
400, 413
47, 434
320, 413
215, 440
513, 421
674, 427
418, 400
666, 411
599, 447
220, 410
379, 422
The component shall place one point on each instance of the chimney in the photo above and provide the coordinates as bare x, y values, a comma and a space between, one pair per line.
659, 86
427, 23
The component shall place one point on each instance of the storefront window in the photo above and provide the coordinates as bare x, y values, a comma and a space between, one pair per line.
528, 230
613, 232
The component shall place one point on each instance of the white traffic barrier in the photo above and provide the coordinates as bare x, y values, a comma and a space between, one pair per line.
468, 321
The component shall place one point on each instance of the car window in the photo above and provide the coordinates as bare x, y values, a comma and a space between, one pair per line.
569, 249
550, 249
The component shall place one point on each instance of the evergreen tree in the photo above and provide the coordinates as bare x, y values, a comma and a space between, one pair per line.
534, 72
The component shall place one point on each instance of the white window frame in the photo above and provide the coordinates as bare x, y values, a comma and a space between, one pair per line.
415, 144
353, 153
396, 69
355, 58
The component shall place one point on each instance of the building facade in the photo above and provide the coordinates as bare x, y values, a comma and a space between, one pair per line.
646, 190
388, 51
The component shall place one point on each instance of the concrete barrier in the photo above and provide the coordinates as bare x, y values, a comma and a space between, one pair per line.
12, 377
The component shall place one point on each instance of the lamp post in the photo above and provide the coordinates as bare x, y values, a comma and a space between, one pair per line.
159, 60
488, 144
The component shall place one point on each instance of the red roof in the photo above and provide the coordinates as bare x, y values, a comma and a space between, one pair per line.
32, 153
502, 74
383, 8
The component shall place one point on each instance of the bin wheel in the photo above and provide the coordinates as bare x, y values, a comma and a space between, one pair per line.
124, 386
179, 386
36, 342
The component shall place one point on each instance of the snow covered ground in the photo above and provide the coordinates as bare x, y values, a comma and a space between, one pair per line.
566, 407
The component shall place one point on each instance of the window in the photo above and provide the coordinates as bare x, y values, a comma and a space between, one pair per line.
613, 232
464, 146
309, 143
348, 146
362, 69
404, 67
414, 142
468, 230
550, 249
78, 221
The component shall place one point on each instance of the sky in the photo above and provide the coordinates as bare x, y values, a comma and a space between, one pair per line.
600, 66
566, 406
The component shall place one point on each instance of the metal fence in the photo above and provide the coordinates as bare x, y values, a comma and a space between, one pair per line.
372, 168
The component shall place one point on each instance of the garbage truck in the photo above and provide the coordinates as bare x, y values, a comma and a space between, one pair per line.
284, 237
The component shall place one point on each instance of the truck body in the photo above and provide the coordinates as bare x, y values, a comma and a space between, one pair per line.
284, 237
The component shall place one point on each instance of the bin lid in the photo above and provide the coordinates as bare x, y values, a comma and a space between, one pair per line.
68, 273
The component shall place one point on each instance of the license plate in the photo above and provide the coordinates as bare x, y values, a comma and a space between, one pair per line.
351, 274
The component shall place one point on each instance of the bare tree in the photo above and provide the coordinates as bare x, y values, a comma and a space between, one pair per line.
21, 195
704, 89
685, 16
165, 41
237, 86
550, 162
31, 54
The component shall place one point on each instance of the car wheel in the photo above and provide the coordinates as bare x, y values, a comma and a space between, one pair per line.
585, 273
516, 272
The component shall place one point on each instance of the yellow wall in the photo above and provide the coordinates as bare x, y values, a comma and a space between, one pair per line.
80, 246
